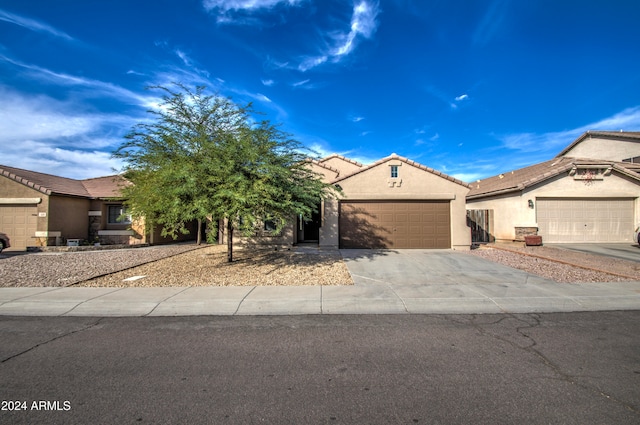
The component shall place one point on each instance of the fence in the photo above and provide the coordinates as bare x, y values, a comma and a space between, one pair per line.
481, 224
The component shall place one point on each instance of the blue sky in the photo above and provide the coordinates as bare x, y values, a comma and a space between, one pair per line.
472, 88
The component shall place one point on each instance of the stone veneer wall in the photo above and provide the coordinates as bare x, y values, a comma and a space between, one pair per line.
521, 232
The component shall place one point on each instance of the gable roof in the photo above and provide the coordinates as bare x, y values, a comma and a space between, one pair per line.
344, 158
322, 165
406, 161
101, 187
633, 136
105, 187
523, 178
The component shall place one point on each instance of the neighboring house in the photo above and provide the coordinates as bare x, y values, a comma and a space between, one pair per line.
588, 193
39, 209
392, 203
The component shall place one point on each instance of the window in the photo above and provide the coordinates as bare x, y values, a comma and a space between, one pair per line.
269, 225
394, 171
118, 215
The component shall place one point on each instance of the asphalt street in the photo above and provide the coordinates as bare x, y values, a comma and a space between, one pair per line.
558, 368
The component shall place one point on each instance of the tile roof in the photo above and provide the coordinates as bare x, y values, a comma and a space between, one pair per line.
528, 176
344, 158
407, 161
322, 165
101, 187
623, 135
104, 187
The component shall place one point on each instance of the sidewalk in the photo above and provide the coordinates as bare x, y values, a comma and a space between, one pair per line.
534, 295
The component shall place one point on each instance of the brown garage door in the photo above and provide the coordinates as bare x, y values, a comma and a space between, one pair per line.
19, 223
395, 224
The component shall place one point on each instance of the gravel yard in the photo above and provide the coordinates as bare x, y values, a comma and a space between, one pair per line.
67, 268
209, 267
192, 265
174, 265
560, 264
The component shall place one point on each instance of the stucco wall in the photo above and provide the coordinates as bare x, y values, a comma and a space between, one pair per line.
513, 210
327, 175
609, 149
345, 167
412, 183
70, 216
15, 191
329, 230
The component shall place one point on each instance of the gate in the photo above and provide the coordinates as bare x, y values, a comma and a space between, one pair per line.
480, 222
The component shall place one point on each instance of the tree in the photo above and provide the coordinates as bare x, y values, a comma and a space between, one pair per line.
204, 158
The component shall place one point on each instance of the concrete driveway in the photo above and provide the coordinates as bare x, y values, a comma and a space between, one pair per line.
422, 281
428, 266
622, 251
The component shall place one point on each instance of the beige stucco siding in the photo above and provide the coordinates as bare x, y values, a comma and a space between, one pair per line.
344, 166
412, 183
512, 210
327, 174
22, 203
70, 216
607, 149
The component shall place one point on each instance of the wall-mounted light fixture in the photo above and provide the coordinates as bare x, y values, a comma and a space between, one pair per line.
530, 203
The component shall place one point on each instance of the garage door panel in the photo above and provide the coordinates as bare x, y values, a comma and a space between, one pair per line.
406, 224
20, 224
586, 220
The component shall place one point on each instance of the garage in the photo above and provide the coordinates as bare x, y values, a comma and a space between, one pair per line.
395, 224
567, 220
19, 223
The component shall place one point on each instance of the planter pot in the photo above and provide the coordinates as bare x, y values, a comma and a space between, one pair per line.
533, 240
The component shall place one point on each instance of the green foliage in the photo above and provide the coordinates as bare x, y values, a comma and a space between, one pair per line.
204, 158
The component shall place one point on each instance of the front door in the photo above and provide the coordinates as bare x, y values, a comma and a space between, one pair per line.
309, 230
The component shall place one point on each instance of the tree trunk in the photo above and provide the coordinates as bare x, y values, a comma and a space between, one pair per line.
199, 236
229, 241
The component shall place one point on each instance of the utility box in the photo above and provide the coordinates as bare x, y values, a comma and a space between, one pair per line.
73, 242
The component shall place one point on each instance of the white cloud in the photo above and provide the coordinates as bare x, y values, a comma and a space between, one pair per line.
462, 97
227, 10
96, 87
357, 119
363, 24
43, 118
312, 62
300, 83
183, 57
46, 135
491, 22
552, 142
268, 83
468, 177
71, 163
32, 24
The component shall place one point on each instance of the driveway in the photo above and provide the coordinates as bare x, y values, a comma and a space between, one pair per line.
432, 281
622, 251
427, 266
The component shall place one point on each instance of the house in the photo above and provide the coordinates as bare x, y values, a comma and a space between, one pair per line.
38, 209
392, 203
590, 192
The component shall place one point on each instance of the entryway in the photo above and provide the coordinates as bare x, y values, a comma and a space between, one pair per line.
309, 230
